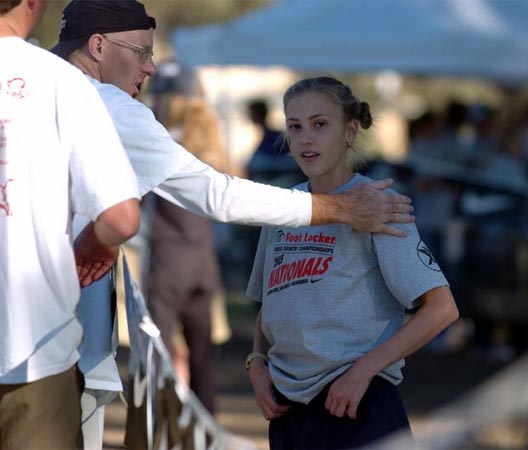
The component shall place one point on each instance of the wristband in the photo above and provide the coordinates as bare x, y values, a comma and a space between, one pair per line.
254, 355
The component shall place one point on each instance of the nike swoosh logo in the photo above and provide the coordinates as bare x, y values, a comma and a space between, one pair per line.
315, 280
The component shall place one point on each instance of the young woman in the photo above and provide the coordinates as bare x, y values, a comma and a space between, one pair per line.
330, 337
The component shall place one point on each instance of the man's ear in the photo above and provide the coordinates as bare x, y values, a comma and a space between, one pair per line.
95, 46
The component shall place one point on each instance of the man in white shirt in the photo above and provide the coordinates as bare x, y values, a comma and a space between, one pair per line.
50, 167
111, 42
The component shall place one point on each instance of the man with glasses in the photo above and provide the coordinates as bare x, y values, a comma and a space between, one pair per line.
111, 42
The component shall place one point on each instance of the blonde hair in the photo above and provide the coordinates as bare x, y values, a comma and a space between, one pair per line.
200, 132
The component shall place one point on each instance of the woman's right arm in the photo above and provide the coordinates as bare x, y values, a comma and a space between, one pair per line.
261, 378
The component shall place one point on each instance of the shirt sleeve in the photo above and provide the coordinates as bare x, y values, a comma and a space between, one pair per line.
408, 267
100, 173
178, 176
254, 289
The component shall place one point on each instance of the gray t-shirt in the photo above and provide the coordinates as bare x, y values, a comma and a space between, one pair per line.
330, 295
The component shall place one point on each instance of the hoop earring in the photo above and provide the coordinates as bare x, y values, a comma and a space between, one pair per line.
288, 141
350, 145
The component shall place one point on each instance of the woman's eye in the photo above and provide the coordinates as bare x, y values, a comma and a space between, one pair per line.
320, 124
293, 126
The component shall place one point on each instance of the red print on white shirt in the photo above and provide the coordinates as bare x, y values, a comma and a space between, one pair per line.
15, 87
4, 203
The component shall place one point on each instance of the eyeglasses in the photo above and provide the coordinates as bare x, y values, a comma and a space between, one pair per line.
143, 53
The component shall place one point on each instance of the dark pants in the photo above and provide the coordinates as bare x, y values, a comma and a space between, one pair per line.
380, 413
183, 278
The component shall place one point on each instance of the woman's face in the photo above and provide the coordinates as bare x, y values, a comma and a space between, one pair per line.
318, 139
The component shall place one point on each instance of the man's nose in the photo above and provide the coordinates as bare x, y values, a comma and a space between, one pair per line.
149, 67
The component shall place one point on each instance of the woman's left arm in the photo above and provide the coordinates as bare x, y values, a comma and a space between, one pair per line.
437, 311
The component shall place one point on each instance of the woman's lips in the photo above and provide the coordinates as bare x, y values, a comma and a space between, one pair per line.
309, 156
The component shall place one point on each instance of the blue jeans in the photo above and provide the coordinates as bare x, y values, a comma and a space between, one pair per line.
380, 413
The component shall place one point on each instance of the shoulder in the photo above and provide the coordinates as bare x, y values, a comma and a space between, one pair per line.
47, 75
54, 68
302, 187
117, 101
360, 179
112, 94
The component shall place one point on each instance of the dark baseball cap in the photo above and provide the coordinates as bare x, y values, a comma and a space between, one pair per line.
83, 18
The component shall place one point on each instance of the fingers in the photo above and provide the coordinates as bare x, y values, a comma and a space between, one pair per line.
271, 409
399, 207
398, 199
338, 409
263, 388
89, 271
352, 411
341, 407
400, 203
102, 270
382, 184
87, 279
401, 217
392, 231
83, 267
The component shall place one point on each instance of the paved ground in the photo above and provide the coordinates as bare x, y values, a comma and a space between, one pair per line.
432, 379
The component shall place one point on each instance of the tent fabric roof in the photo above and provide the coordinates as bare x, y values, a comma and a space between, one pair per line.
484, 38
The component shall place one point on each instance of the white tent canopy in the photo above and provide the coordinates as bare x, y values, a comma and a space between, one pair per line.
483, 38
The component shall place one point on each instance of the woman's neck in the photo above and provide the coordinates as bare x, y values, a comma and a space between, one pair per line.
327, 184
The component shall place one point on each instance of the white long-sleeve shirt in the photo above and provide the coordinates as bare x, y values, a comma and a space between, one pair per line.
174, 173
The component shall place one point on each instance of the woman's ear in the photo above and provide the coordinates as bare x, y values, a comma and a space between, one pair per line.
352, 130
95, 46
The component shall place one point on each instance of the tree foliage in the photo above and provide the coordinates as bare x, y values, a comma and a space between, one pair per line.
168, 14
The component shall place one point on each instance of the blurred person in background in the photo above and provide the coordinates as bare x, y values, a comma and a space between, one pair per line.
495, 237
330, 336
523, 137
485, 141
453, 138
435, 198
271, 162
52, 165
183, 272
111, 41
511, 159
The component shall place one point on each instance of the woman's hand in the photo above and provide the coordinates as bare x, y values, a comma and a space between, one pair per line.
346, 393
263, 388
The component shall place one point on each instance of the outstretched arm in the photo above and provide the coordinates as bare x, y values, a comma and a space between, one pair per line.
365, 207
438, 310
261, 379
178, 176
